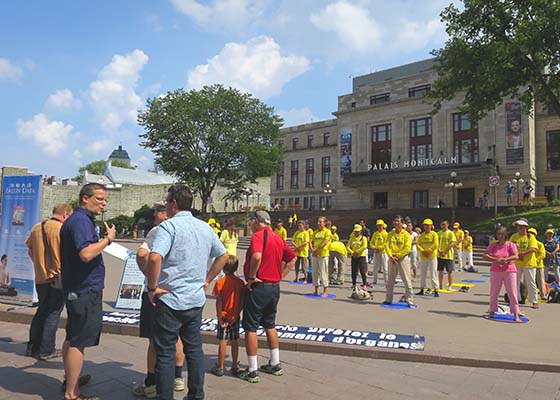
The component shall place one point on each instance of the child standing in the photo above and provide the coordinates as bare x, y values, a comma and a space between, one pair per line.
229, 303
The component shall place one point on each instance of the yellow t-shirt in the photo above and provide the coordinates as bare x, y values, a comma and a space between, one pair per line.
541, 254
318, 238
282, 232
338, 247
428, 242
523, 243
445, 239
398, 244
230, 242
459, 236
299, 238
335, 237
357, 244
378, 241
467, 243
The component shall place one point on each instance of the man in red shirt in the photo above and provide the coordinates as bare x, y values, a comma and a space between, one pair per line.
263, 271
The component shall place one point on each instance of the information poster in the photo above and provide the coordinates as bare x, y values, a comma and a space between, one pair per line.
346, 151
21, 209
514, 133
131, 287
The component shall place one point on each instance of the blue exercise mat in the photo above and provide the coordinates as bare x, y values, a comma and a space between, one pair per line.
507, 318
473, 281
312, 296
297, 283
485, 275
399, 305
554, 286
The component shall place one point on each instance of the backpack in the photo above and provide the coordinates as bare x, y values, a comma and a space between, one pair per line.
554, 296
361, 294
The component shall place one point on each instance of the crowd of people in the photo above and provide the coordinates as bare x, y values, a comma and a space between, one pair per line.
182, 255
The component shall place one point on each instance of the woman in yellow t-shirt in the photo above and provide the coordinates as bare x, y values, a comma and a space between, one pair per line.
320, 245
229, 237
467, 245
301, 243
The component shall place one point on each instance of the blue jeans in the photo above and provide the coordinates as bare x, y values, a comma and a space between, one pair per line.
42, 332
168, 324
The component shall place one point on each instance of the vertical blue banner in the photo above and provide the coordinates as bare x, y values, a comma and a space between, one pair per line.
21, 209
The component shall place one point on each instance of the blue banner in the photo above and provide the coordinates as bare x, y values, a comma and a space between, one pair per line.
21, 209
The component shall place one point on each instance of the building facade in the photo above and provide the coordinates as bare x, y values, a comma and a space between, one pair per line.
386, 149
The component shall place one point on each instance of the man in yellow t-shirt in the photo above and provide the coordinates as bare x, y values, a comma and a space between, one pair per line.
539, 271
378, 244
427, 245
301, 242
459, 235
310, 231
527, 262
399, 244
446, 255
338, 252
335, 237
320, 246
280, 230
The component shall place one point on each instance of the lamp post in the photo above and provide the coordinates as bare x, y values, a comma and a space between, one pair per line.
258, 193
247, 192
517, 180
328, 190
453, 184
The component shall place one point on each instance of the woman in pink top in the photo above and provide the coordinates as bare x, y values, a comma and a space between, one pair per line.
503, 270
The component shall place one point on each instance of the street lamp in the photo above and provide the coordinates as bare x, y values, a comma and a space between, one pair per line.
517, 180
453, 184
258, 193
328, 190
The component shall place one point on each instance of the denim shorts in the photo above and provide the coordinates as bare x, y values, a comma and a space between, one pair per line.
85, 319
260, 307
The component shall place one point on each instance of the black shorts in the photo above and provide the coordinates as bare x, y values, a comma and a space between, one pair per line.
146, 317
229, 333
260, 307
444, 264
85, 319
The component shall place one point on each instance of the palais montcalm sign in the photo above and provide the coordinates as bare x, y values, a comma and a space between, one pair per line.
426, 162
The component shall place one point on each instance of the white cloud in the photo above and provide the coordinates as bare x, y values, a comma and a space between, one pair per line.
100, 146
113, 96
9, 71
352, 24
297, 116
256, 67
221, 14
63, 100
52, 136
416, 35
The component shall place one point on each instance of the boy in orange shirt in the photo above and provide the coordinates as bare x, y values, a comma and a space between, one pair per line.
229, 303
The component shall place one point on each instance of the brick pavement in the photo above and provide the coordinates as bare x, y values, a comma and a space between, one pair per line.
119, 361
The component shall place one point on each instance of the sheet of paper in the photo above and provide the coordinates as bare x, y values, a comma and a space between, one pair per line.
118, 251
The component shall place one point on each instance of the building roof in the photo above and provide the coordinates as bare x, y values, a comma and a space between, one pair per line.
401, 71
125, 176
119, 154
92, 178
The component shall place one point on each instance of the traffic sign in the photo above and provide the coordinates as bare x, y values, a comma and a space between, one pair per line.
494, 180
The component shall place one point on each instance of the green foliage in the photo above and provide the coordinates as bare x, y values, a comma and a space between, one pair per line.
144, 217
555, 202
539, 218
123, 223
121, 164
509, 211
94, 167
210, 135
497, 49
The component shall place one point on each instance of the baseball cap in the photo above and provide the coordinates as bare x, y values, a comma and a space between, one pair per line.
262, 216
211, 221
456, 225
279, 221
522, 222
333, 227
550, 231
380, 222
533, 231
427, 221
357, 228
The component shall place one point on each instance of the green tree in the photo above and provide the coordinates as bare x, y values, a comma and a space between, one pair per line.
497, 49
121, 164
210, 135
94, 167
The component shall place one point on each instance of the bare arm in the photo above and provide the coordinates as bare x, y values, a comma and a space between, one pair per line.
215, 269
288, 267
142, 260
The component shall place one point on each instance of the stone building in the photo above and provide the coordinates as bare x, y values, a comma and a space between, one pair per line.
385, 149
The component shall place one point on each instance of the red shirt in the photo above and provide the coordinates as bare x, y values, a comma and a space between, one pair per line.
275, 251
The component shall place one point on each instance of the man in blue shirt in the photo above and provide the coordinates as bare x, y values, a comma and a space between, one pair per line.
177, 282
83, 279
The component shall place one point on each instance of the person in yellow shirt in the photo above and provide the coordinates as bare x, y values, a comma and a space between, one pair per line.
310, 231
213, 223
335, 237
526, 264
357, 247
459, 236
301, 242
229, 237
427, 244
280, 230
467, 246
539, 271
446, 255
399, 244
338, 252
320, 247
378, 244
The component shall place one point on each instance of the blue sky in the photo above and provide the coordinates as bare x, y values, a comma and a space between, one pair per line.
74, 73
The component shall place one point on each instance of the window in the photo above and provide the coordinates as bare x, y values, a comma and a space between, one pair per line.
281, 142
328, 202
325, 171
421, 127
353, 105
309, 172
465, 138
326, 137
420, 199
310, 141
379, 98
280, 177
322, 203
290, 201
306, 203
294, 143
312, 203
420, 152
419, 91
294, 174
553, 150
296, 201
381, 144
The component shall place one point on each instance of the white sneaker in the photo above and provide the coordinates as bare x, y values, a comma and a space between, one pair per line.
149, 392
179, 384
450, 288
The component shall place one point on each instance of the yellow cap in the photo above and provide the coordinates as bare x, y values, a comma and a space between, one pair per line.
380, 222
357, 228
333, 227
466, 231
428, 221
456, 225
217, 225
211, 221
550, 231
533, 231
